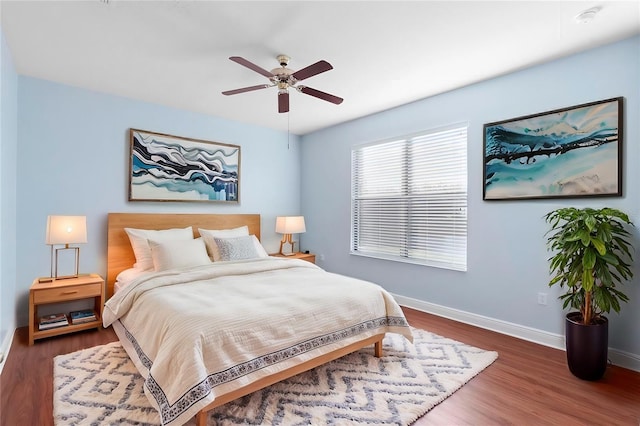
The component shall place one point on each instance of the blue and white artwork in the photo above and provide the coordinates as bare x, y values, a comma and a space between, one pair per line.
572, 152
173, 168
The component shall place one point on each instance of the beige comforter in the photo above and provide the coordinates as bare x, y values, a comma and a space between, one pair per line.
208, 331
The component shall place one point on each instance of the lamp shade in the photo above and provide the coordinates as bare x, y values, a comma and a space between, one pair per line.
66, 230
290, 224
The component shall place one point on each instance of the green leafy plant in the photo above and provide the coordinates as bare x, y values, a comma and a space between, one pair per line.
592, 255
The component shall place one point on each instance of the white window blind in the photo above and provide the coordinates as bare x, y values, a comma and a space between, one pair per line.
409, 199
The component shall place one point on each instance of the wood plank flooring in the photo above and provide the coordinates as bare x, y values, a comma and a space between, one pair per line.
528, 384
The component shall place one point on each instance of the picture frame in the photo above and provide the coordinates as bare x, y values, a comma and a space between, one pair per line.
165, 167
564, 153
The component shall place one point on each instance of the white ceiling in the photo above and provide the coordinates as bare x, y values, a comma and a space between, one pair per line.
384, 53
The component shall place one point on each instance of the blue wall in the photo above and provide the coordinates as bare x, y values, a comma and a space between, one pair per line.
8, 146
507, 257
73, 157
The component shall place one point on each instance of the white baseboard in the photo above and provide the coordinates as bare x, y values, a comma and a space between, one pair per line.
617, 357
624, 359
4, 349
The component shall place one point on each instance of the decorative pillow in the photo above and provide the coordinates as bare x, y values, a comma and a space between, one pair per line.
209, 236
178, 254
238, 248
139, 239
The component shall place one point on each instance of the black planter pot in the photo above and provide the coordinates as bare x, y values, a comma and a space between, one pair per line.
587, 347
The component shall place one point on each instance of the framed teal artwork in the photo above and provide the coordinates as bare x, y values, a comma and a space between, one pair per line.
568, 152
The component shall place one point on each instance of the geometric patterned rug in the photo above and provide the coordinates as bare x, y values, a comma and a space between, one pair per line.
101, 386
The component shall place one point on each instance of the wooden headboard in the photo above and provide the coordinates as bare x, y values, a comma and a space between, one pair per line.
120, 254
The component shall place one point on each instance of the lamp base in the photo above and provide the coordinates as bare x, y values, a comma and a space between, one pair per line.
76, 252
52, 279
286, 239
66, 277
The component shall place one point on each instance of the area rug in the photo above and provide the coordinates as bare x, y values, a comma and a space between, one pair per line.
100, 386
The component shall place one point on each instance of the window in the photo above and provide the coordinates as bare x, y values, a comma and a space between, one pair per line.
409, 199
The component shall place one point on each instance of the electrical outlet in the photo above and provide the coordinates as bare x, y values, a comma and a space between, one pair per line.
542, 298
321, 257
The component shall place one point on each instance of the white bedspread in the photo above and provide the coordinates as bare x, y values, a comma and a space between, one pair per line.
208, 331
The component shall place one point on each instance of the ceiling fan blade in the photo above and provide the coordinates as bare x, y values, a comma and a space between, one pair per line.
283, 102
251, 66
320, 95
246, 89
311, 70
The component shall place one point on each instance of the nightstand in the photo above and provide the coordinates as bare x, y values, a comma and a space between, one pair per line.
57, 291
304, 256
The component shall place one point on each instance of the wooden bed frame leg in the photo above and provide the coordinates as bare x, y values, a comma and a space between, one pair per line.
377, 349
201, 418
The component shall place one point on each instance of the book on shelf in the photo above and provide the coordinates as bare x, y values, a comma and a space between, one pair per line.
82, 320
82, 314
48, 319
80, 317
46, 326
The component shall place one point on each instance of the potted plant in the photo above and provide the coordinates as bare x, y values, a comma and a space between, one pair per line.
592, 255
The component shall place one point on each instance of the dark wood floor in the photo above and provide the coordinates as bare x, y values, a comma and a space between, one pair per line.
528, 384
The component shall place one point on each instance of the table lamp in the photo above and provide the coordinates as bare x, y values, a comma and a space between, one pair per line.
65, 230
288, 225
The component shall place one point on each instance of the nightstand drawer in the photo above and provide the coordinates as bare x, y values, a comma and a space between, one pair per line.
73, 292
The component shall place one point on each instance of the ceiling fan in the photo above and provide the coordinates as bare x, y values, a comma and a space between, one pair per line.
285, 78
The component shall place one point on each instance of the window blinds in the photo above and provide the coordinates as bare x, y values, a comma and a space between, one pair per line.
409, 199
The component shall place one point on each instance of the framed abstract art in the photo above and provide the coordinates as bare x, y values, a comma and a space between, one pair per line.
568, 152
173, 168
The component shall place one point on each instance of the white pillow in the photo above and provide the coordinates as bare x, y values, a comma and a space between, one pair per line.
130, 274
259, 248
139, 239
178, 254
239, 248
127, 276
209, 236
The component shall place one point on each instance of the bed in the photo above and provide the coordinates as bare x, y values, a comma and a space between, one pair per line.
205, 335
